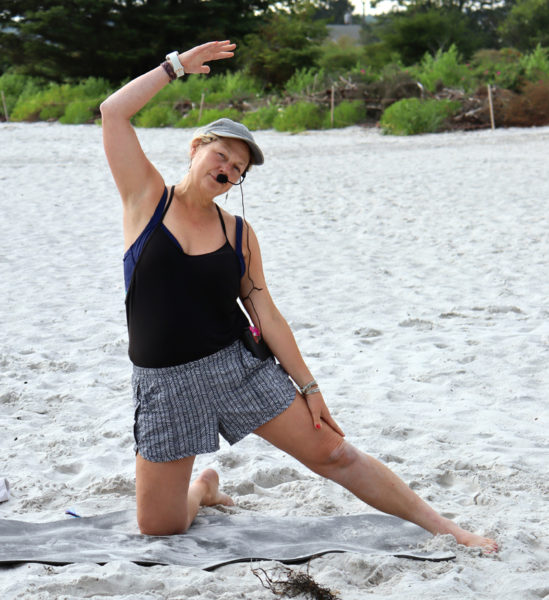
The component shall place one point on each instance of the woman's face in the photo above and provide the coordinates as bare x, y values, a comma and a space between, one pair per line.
223, 156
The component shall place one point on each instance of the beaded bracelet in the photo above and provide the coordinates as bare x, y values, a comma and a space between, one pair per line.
167, 66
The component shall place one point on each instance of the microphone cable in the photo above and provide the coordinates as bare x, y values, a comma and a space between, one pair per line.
222, 178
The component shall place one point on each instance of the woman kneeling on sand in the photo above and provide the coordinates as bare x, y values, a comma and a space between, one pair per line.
197, 369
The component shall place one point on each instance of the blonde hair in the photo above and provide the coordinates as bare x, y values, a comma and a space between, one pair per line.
208, 138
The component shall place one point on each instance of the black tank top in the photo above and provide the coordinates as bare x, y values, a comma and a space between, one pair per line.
182, 307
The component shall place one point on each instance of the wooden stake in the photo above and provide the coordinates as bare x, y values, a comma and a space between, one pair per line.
332, 100
491, 105
5, 107
201, 106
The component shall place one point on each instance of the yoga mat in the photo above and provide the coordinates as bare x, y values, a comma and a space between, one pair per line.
212, 541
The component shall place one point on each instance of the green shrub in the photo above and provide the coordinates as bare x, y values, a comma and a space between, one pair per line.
93, 87
16, 86
299, 117
536, 64
340, 57
346, 113
51, 112
78, 111
411, 116
262, 118
232, 87
27, 109
51, 102
159, 115
362, 73
498, 67
191, 118
379, 54
189, 89
216, 89
443, 68
305, 80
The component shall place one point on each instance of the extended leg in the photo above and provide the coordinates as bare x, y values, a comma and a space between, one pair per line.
166, 501
326, 452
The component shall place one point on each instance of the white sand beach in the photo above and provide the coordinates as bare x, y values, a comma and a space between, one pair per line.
415, 275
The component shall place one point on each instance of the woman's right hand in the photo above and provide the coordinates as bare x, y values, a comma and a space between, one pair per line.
193, 60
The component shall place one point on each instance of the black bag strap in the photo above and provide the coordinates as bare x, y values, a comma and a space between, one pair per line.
149, 238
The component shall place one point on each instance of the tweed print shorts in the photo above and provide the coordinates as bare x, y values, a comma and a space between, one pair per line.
180, 411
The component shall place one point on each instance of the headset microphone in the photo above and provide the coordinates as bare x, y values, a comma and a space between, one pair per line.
222, 178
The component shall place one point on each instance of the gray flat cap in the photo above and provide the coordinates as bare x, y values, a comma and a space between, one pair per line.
231, 129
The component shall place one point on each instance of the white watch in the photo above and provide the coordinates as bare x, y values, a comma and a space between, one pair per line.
173, 57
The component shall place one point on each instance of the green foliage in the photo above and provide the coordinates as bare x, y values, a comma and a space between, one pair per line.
444, 68
411, 116
346, 113
498, 67
220, 88
339, 57
414, 32
189, 88
509, 69
305, 81
79, 111
536, 64
159, 115
263, 118
333, 10
232, 87
285, 43
299, 117
17, 86
379, 54
191, 119
527, 24
116, 39
52, 100
46, 103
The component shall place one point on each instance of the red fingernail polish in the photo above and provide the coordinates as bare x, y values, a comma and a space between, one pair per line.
318, 426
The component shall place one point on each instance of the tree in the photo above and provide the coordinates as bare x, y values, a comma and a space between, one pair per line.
287, 41
431, 25
527, 25
115, 39
413, 33
333, 11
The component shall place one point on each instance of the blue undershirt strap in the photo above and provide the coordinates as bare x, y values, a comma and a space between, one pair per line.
238, 245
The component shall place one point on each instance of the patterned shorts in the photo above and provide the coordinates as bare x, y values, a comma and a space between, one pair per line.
180, 411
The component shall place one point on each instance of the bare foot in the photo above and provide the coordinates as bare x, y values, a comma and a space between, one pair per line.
212, 496
472, 540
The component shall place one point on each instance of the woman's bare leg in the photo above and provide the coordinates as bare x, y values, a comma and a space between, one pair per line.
328, 454
166, 501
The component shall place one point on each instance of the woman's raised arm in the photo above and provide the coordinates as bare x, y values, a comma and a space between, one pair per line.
135, 176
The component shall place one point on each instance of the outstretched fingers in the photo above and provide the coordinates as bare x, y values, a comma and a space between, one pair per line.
194, 59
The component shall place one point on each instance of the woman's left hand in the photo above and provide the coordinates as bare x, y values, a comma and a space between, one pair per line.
319, 412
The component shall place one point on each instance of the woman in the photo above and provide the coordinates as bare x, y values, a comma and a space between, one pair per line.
186, 263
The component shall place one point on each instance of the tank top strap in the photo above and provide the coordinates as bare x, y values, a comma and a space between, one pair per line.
222, 221
167, 203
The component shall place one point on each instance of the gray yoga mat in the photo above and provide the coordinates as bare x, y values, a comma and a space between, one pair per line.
212, 541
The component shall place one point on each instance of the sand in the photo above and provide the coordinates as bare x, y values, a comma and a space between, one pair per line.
414, 273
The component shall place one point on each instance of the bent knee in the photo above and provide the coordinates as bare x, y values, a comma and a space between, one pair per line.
154, 526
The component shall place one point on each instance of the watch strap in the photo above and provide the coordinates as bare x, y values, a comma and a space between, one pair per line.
173, 57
